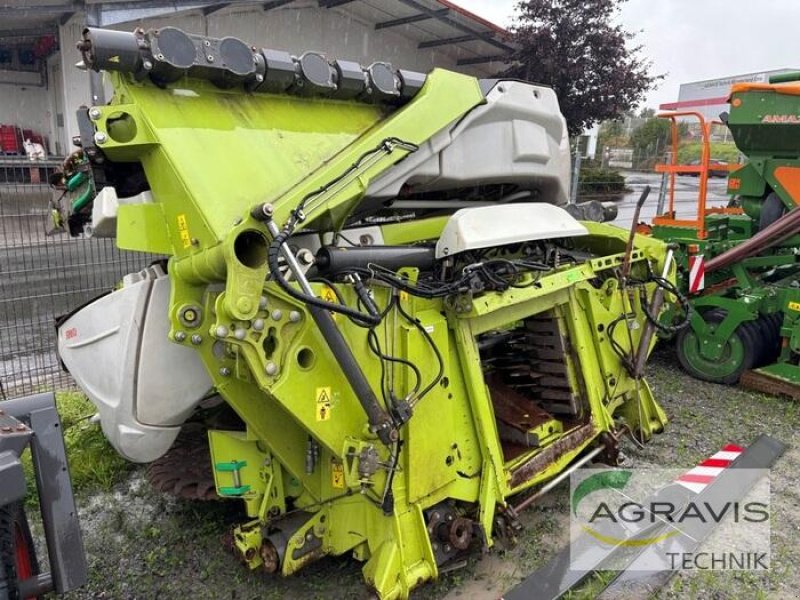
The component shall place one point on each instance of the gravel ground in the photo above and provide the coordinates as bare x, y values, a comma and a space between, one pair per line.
142, 545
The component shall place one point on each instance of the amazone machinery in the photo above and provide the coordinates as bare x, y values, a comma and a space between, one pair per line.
739, 263
369, 269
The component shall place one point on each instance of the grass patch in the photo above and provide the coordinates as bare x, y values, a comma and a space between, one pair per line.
93, 463
726, 151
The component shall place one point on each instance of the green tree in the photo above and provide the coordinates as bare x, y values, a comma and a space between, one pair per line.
654, 136
651, 137
611, 134
576, 47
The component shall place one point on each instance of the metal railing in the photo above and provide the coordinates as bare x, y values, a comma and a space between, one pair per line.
43, 275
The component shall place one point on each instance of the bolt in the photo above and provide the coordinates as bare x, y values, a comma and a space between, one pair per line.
240, 334
100, 137
435, 547
94, 113
221, 331
271, 368
258, 324
305, 256
147, 65
262, 212
262, 302
309, 536
294, 316
206, 43
210, 58
160, 56
224, 371
197, 339
277, 315
447, 548
259, 78
435, 516
244, 304
180, 336
190, 315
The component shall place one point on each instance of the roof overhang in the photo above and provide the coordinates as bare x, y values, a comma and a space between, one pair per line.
433, 24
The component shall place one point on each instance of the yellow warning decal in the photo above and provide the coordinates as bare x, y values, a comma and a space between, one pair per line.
328, 295
794, 306
183, 230
337, 474
323, 398
403, 296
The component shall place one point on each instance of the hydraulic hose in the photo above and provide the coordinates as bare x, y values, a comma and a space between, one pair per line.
273, 255
84, 199
379, 420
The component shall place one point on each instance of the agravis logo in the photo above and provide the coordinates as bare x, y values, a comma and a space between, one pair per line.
649, 518
614, 479
653, 512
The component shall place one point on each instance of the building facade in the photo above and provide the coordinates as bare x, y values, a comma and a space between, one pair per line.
710, 96
412, 34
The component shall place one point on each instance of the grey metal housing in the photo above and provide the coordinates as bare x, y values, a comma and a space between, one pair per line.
517, 137
36, 421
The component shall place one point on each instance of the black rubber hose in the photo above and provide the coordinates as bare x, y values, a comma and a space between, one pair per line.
273, 255
379, 420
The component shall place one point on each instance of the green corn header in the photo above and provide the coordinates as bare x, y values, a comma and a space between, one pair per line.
369, 267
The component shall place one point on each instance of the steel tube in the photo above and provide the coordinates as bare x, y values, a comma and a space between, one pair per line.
781, 229
649, 329
558, 479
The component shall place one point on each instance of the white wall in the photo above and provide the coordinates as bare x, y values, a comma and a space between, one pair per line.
338, 35
75, 81
26, 107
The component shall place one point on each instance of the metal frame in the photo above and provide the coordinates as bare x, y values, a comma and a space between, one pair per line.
41, 427
442, 12
674, 168
482, 59
435, 14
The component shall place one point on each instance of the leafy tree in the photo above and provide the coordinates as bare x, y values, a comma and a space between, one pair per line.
575, 47
647, 113
651, 137
612, 133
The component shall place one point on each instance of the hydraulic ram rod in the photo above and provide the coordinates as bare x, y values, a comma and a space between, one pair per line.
649, 329
379, 420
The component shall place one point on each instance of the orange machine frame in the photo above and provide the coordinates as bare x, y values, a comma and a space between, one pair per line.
674, 168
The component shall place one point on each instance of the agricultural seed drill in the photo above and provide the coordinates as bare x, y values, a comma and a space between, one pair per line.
371, 268
746, 322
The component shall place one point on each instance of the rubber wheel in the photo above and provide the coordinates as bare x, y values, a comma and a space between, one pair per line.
771, 343
17, 553
772, 209
737, 356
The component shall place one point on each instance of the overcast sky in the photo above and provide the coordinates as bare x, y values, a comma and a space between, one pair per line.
690, 40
